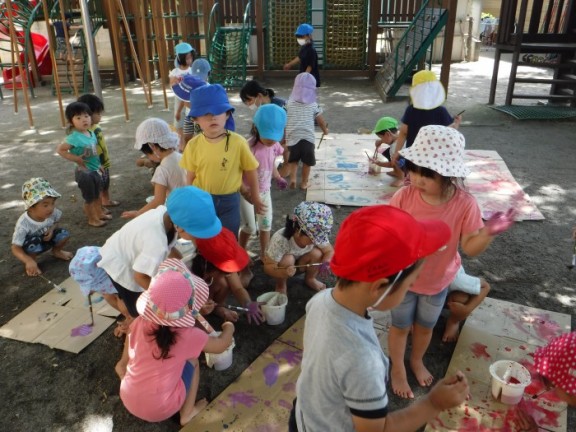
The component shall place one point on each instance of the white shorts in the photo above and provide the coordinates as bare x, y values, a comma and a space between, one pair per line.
248, 219
465, 283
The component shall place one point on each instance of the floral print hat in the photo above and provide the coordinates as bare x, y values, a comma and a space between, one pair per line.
35, 190
439, 148
315, 220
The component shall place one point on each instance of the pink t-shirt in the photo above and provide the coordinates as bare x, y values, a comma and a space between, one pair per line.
153, 389
462, 215
265, 156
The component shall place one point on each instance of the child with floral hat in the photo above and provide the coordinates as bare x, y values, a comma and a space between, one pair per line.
307, 56
302, 112
163, 346
436, 167
37, 228
303, 242
217, 159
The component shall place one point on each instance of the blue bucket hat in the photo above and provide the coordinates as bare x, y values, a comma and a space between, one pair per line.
84, 270
209, 99
192, 209
186, 85
270, 120
200, 69
304, 30
183, 48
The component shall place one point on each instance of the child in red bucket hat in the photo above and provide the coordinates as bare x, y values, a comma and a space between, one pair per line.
163, 347
342, 386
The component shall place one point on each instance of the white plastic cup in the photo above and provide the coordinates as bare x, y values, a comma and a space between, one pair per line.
274, 308
509, 380
374, 169
223, 360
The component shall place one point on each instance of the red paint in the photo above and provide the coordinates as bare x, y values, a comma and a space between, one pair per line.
513, 380
479, 350
508, 349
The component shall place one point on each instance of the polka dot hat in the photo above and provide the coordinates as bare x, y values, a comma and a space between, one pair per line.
440, 149
557, 362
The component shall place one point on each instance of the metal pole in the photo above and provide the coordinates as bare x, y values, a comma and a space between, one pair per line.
91, 48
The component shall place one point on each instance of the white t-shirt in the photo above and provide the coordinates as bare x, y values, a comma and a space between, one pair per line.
280, 246
177, 72
169, 173
26, 225
139, 246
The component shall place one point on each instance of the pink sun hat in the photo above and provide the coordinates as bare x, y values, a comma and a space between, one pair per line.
304, 90
557, 362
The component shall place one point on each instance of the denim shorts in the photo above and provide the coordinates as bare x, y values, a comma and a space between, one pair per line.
187, 375
420, 309
35, 244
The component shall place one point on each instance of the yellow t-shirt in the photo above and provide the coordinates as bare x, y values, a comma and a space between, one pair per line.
218, 169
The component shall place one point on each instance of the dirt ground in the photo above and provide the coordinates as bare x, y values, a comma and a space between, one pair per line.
50, 390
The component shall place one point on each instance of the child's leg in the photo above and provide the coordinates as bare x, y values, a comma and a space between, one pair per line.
281, 283
59, 240
247, 222
462, 304
219, 290
293, 169
314, 256
456, 301
92, 214
308, 161
115, 301
265, 223
305, 176
191, 408
264, 242
122, 364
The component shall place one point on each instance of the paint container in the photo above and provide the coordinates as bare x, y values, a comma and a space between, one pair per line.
223, 360
374, 169
509, 379
274, 308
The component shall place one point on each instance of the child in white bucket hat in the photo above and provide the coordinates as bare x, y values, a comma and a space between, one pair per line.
436, 168
163, 346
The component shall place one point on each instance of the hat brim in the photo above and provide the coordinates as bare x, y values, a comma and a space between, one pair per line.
211, 109
435, 235
145, 310
180, 93
428, 95
451, 170
205, 233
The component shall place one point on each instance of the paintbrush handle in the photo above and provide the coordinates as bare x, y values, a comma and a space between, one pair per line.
301, 265
91, 310
237, 308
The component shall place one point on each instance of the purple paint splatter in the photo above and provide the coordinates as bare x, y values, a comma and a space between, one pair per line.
289, 387
242, 398
293, 358
83, 330
271, 374
285, 404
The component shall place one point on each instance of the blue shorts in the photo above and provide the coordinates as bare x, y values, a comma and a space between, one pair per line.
35, 244
420, 309
228, 211
187, 375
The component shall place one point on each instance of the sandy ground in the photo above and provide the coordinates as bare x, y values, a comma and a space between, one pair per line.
44, 389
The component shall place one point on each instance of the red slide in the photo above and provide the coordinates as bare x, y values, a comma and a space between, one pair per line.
41, 53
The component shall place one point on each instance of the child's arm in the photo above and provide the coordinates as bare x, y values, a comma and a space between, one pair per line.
217, 345
63, 150
252, 181
322, 123
190, 176
142, 279
30, 263
327, 253
292, 63
475, 243
160, 193
402, 134
271, 269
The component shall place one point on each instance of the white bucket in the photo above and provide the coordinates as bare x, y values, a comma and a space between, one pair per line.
509, 379
374, 169
223, 360
274, 308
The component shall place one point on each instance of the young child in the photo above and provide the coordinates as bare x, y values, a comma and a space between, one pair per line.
182, 62
61, 45
427, 95
155, 139
90, 278
386, 130
220, 261
182, 91
81, 148
342, 386
97, 107
217, 158
304, 242
163, 346
253, 95
37, 228
269, 122
302, 111
436, 167
307, 56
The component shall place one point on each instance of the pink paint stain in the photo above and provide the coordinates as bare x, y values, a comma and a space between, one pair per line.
289, 388
479, 350
293, 358
242, 398
285, 404
271, 371
546, 329
83, 330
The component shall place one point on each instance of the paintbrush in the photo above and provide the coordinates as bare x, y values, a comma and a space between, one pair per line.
322, 138
91, 310
368, 156
58, 287
571, 266
301, 265
237, 308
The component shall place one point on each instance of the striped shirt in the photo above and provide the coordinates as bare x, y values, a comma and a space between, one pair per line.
300, 121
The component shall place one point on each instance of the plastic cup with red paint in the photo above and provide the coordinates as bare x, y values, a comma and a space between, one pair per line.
509, 380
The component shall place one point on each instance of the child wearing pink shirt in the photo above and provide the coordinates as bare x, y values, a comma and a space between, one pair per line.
435, 163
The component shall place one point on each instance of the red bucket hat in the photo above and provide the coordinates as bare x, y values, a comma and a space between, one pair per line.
557, 362
223, 251
379, 241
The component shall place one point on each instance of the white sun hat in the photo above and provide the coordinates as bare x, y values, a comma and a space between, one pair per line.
427, 92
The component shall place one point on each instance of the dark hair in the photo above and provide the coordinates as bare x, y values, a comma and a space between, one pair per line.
76, 108
181, 58
446, 183
391, 130
94, 102
291, 227
165, 337
252, 89
254, 132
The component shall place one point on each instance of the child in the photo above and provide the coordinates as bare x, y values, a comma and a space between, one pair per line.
217, 159
182, 91
81, 148
163, 347
90, 278
302, 111
155, 139
427, 95
342, 386
182, 61
97, 107
436, 167
303, 242
269, 122
61, 45
253, 95
386, 130
219, 261
307, 56
36, 230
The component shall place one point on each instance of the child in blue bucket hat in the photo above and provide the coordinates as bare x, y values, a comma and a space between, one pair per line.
184, 56
182, 92
307, 56
217, 159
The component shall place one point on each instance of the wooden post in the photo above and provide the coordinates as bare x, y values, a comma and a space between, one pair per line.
70, 58
373, 37
259, 12
448, 43
142, 35
160, 46
115, 33
55, 77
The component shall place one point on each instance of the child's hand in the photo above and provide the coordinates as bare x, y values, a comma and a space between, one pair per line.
500, 222
254, 313
449, 392
281, 183
525, 422
80, 162
259, 207
48, 235
227, 327
377, 143
290, 271
129, 214
32, 268
324, 270
208, 307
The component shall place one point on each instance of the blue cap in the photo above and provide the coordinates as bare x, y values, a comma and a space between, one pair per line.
304, 30
209, 99
270, 120
183, 48
186, 85
192, 209
201, 68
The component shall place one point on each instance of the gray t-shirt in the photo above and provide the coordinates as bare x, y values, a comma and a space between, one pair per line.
344, 370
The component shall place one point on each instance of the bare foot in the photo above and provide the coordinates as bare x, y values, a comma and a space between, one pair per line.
62, 254
98, 224
304, 185
106, 216
120, 369
226, 314
111, 203
451, 332
399, 380
123, 328
391, 174
292, 185
106, 211
423, 375
315, 284
186, 417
